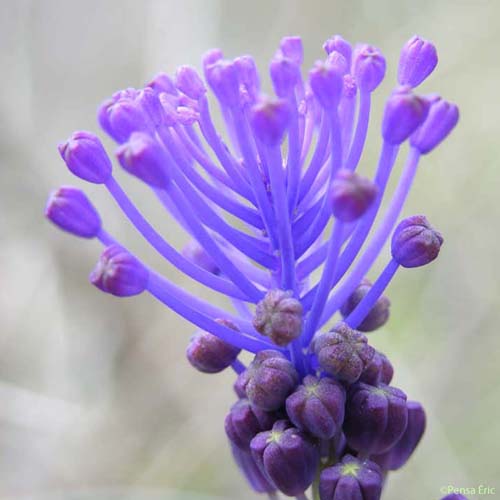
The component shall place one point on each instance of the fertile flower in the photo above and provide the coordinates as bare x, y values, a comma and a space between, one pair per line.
256, 201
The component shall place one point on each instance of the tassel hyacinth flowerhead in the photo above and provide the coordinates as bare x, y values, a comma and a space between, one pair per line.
255, 200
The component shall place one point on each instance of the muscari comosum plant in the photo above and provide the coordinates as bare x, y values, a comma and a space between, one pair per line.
315, 407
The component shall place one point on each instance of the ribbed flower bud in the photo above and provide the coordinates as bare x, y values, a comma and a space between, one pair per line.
351, 195
317, 406
122, 118
162, 83
248, 76
189, 82
70, 209
417, 61
148, 100
279, 316
338, 44
85, 156
378, 371
251, 471
291, 47
209, 354
268, 380
327, 83
351, 479
269, 119
339, 62
415, 242
222, 76
376, 417
399, 454
285, 73
343, 352
287, 457
404, 113
441, 120
209, 59
245, 421
379, 313
368, 67
195, 253
143, 157
119, 273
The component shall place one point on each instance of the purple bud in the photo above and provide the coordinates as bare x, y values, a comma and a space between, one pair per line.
222, 76
368, 67
399, 454
279, 316
291, 47
269, 119
343, 352
268, 380
209, 354
339, 62
189, 82
196, 254
148, 100
378, 371
70, 209
351, 479
251, 471
379, 313
417, 61
441, 120
351, 195
85, 156
285, 74
245, 421
248, 77
143, 157
376, 417
404, 113
162, 83
209, 58
327, 83
125, 117
287, 457
317, 407
338, 44
415, 242
119, 273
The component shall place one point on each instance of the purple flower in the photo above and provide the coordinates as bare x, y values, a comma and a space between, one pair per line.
256, 201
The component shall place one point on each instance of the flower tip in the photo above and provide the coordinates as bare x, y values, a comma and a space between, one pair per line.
338, 44
327, 83
269, 119
368, 67
292, 48
285, 73
189, 82
417, 61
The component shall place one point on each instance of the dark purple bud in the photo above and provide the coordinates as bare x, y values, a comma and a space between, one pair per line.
245, 421
143, 157
404, 113
222, 76
368, 67
195, 253
70, 209
317, 407
162, 83
351, 195
378, 315
85, 156
415, 242
209, 354
378, 371
399, 454
376, 417
287, 457
417, 61
268, 380
327, 83
291, 47
343, 352
279, 316
441, 120
338, 44
125, 117
285, 73
251, 471
119, 273
269, 119
351, 479
189, 82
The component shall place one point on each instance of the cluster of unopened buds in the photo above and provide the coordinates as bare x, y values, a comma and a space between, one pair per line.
315, 405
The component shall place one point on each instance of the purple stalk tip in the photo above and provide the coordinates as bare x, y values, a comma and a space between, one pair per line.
269, 119
368, 67
417, 61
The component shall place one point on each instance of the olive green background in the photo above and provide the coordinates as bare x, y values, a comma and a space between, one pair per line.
95, 393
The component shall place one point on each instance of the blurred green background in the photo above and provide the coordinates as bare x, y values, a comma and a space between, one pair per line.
95, 392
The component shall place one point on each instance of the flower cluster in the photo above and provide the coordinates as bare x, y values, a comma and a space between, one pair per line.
315, 405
